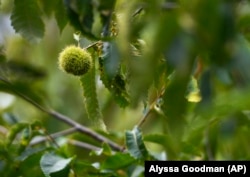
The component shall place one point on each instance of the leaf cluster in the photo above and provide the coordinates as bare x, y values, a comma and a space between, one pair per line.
183, 67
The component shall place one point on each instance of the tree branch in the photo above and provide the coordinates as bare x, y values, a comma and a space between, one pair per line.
81, 128
38, 140
92, 45
83, 145
85, 130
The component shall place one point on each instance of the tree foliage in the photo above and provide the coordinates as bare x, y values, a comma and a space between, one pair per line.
170, 81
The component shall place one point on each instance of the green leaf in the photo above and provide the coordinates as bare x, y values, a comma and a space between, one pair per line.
26, 136
135, 144
161, 139
81, 16
106, 5
30, 152
180, 54
137, 171
88, 84
29, 162
57, 8
157, 138
216, 29
193, 92
10, 118
61, 15
111, 59
48, 6
117, 161
83, 168
111, 75
105, 9
26, 19
53, 164
105, 150
15, 129
227, 103
158, 156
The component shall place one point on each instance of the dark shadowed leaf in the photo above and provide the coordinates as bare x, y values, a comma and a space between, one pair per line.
26, 19
21, 89
111, 76
21, 71
111, 59
61, 15
49, 6
2, 56
81, 17
57, 8
29, 162
105, 9
206, 87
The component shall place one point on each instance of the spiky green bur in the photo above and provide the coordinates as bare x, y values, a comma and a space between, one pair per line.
74, 60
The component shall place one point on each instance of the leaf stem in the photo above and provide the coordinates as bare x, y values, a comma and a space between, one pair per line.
92, 45
151, 108
143, 119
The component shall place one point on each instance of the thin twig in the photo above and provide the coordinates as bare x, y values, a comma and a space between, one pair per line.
85, 130
92, 45
151, 108
143, 119
81, 128
42, 139
83, 145
52, 139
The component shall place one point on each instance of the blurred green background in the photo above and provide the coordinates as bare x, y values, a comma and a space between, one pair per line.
189, 59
